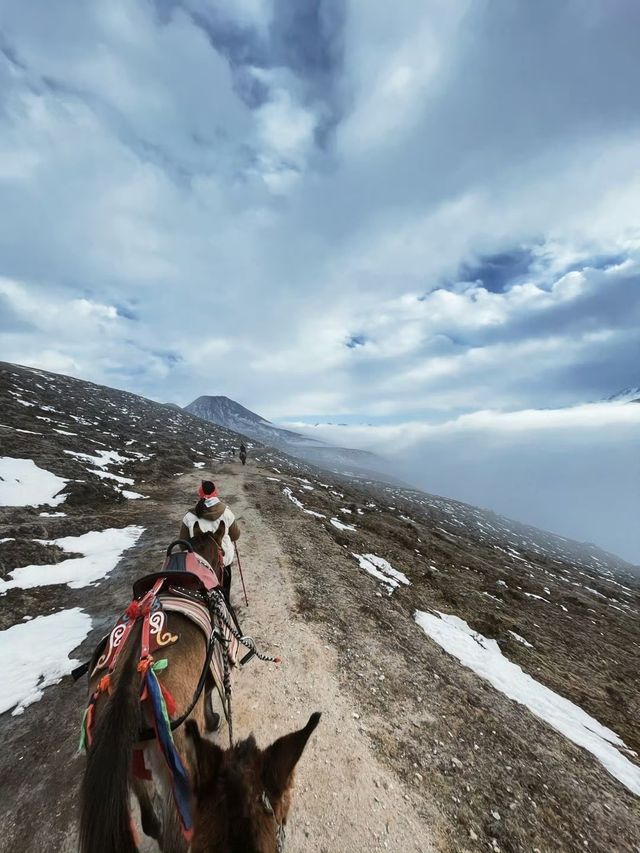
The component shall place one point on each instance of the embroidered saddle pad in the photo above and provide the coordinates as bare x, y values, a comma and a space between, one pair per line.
182, 573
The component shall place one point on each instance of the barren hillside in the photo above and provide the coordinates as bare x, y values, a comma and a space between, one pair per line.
478, 677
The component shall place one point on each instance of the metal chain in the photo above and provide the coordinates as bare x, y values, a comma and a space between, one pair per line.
218, 604
248, 642
227, 692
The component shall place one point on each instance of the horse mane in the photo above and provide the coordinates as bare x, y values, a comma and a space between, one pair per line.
104, 792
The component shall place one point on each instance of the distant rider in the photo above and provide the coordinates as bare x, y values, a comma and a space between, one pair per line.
243, 454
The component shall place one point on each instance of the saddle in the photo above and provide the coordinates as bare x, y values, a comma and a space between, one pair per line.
180, 586
184, 569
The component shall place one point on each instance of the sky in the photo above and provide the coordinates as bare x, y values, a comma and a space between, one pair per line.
424, 227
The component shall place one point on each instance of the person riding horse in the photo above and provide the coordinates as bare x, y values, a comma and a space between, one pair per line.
212, 516
243, 453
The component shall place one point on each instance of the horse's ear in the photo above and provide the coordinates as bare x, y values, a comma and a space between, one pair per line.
204, 757
282, 756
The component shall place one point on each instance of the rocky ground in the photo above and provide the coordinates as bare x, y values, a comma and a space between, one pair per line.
415, 750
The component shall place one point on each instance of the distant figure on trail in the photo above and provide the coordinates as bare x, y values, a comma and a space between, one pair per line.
243, 454
212, 516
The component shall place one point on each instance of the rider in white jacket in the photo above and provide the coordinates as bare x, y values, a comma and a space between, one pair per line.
206, 517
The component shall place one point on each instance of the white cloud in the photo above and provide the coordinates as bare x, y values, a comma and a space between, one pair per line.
86, 308
76, 318
297, 194
512, 361
404, 437
247, 13
285, 130
564, 470
47, 359
394, 63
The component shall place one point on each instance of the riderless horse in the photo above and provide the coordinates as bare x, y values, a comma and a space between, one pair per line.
146, 679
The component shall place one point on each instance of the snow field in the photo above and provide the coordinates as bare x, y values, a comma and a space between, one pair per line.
485, 658
35, 655
23, 483
101, 552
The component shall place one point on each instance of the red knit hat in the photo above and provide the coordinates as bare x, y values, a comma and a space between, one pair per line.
207, 490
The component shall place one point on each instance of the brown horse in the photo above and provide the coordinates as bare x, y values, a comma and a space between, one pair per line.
241, 795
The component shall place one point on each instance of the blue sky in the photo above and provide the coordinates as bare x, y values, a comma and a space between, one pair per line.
327, 212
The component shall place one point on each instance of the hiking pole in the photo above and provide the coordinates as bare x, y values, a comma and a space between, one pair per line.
244, 589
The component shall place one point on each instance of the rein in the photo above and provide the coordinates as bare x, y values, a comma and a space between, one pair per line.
216, 606
281, 832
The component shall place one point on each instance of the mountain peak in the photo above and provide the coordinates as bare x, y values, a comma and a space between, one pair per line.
220, 410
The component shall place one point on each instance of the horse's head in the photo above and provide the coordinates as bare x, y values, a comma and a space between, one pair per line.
242, 794
209, 546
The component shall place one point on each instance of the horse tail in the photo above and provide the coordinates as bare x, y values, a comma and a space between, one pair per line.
105, 823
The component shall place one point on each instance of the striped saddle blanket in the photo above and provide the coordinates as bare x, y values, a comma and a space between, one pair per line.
161, 635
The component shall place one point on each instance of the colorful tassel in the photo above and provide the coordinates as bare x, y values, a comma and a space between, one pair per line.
177, 771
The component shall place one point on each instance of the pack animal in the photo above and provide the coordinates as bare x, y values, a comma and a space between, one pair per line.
190, 791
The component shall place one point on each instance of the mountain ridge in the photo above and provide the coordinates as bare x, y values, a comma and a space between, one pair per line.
226, 412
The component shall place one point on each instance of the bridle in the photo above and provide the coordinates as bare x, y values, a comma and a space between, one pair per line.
281, 832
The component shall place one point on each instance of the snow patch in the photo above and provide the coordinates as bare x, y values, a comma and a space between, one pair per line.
341, 525
35, 655
379, 568
595, 592
538, 597
484, 657
102, 457
294, 500
101, 552
23, 483
107, 475
521, 639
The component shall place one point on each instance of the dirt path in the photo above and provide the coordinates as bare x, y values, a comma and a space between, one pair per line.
345, 799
